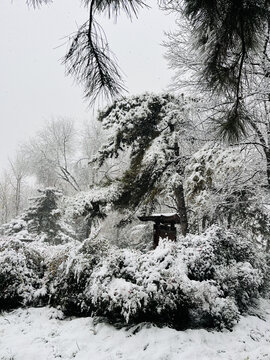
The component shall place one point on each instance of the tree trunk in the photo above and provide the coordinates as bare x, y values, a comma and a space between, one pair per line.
18, 196
229, 220
267, 155
181, 208
267, 249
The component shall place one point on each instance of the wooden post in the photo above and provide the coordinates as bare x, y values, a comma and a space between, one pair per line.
156, 234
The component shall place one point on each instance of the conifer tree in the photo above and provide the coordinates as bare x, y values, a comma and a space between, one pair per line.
43, 215
228, 34
231, 38
155, 131
41, 221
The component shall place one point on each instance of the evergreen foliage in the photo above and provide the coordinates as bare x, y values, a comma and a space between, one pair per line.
204, 280
221, 48
41, 221
89, 58
151, 128
68, 282
43, 214
21, 271
89, 208
221, 188
232, 261
228, 32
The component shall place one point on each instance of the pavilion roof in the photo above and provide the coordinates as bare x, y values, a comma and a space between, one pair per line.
162, 218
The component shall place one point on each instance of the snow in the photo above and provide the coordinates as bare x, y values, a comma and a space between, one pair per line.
43, 333
165, 214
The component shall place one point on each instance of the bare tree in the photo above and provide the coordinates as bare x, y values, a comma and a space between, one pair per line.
91, 138
18, 172
5, 196
51, 154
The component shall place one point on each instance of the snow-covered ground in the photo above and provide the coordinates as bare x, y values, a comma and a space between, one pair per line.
39, 334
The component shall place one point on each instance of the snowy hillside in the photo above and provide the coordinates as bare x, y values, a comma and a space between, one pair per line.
40, 333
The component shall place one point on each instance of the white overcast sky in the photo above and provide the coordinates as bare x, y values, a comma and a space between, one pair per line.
33, 84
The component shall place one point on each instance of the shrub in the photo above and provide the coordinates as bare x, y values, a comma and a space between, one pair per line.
21, 271
234, 263
67, 283
133, 287
203, 280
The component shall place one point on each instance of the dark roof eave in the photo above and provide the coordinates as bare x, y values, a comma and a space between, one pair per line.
162, 218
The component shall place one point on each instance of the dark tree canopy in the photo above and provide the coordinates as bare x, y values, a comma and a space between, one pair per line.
228, 34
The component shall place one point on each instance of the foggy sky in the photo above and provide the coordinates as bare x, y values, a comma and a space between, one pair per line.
34, 87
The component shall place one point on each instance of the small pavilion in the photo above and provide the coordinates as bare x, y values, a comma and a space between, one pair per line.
164, 226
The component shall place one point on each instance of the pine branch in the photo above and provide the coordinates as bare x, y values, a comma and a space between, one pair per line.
37, 3
114, 7
89, 61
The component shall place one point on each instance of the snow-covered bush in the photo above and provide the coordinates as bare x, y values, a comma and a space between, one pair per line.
21, 271
68, 280
154, 287
235, 264
202, 280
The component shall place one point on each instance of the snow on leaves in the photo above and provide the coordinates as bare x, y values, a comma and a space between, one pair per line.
204, 280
